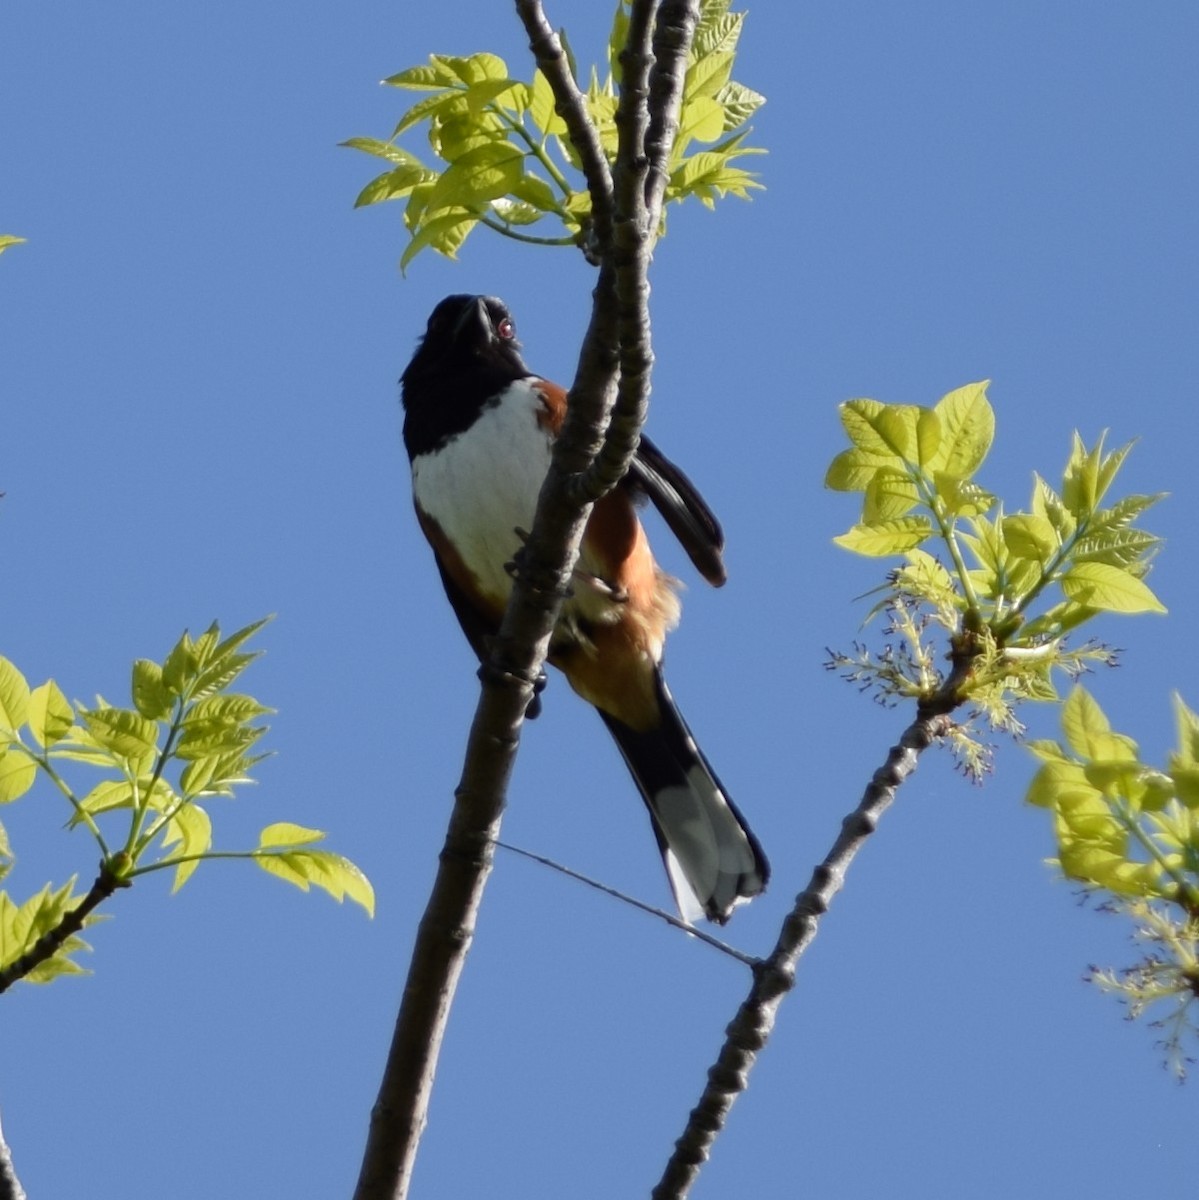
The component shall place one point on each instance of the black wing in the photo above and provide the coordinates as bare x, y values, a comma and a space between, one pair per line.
682, 507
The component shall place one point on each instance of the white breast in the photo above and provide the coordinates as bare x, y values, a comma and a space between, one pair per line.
483, 484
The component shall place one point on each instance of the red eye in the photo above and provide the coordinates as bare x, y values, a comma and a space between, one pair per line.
506, 329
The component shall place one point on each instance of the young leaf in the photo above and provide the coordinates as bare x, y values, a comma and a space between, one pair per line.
284, 833
125, 733
17, 773
967, 430
330, 872
14, 700
1031, 537
22, 925
852, 470
50, 714
190, 830
1099, 585
394, 185
889, 494
151, 696
1084, 723
887, 537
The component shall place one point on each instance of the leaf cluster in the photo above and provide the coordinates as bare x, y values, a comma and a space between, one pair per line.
505, 160
1013, 584
185, 740
1131, 830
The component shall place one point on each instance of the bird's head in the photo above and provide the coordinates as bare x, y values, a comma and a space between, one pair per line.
468, 334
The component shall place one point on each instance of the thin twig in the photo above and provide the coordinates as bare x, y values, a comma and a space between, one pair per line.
774, 977
748, 959
572, 108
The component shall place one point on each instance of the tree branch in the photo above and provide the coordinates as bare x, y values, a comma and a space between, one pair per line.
570, 106
774, 976
10, 1185
54, 939
447, 927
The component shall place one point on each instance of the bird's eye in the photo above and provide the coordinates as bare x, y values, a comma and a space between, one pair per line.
506, 330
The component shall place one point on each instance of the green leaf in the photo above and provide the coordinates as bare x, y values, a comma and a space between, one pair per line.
442, 104
180, 666
151, 696
209, 738
961, 497
1186, 722
494, 91
476, 68
707, 76
6, 854
1099, 585
1030, 537
284, 833
739, 104
928, 436
702, 120
14, 700
890, 494
107, 796
1080, 482
852, 470
967, 430
718, 34
8, 239
1084, 723
541, 108
481, 174
444, 234
886, 537
394, 185
394, 154
17, 773
1056, 780
190, 830
1048, 504
320, 868
860, 420
22, 925
50, 714
432, 76
125, 733
1122, 548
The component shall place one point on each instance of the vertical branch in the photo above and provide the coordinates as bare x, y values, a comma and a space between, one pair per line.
673, 35
447, 927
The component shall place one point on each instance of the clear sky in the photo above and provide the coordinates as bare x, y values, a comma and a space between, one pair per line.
200, 419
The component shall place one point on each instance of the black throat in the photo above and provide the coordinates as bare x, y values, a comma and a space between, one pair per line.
467, 359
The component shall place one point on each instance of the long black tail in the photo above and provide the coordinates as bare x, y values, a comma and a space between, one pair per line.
712, 858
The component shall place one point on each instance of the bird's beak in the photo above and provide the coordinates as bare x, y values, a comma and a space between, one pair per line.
473, 315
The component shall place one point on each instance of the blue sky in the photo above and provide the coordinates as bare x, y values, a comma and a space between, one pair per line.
198, 389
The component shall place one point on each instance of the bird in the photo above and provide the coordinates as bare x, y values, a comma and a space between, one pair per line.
479, 429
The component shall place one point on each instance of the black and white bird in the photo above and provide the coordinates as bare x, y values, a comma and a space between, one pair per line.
479, 428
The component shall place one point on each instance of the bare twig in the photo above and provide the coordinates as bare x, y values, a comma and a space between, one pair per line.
774, 976
447, 927
551, 58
